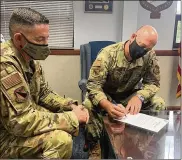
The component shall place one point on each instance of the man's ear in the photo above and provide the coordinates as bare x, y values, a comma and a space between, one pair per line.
18, 40
17, 37
133, 36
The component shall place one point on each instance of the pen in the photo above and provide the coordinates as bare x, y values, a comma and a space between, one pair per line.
114, 102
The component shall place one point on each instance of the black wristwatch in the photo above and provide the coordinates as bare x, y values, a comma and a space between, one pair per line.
140, 97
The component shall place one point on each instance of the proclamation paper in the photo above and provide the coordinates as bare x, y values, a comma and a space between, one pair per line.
144, 121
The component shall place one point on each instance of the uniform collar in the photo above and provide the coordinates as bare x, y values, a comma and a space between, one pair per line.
17, 54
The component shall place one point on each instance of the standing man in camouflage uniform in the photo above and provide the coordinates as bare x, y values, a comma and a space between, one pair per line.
114, 76
35, 122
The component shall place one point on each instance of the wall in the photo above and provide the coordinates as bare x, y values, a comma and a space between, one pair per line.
168, 68
130, 14
97, 26
63, 74
90, 26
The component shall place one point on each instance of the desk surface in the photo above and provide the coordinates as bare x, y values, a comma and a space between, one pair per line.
134, 143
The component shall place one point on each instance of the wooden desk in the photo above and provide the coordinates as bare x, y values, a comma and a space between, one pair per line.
120, 140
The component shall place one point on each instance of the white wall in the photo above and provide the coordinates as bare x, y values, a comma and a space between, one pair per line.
134, 16
130, 15
97, 26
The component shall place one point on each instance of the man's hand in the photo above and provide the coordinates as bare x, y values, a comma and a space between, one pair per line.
134, 105
116, 111
81, 113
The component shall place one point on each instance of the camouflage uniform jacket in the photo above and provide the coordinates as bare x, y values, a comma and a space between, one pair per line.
28, 107
112, 75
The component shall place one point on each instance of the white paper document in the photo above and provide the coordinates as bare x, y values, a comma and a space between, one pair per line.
144, 121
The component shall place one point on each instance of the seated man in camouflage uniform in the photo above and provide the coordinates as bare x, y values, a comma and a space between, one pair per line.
35, 122
114, 76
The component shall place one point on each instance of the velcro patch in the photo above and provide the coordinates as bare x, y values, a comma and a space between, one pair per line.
3, 73
10, 69
11, 80
21, 94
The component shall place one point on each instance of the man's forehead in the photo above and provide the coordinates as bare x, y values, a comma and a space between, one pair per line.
38, 32
140, 41
147, 43
37, 27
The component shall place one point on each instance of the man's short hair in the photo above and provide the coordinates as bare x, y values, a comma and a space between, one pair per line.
25, 16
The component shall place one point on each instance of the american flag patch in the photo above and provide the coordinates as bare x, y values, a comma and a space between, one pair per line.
11, 80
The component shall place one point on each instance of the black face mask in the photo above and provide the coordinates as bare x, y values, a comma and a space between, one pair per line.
136, 51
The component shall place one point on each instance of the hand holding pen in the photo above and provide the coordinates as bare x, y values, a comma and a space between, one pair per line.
123, 109
116, 111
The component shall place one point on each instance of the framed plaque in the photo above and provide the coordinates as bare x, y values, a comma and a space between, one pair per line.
103, 6
177, 32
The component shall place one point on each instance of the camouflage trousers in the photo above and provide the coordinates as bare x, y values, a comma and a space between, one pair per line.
94, 128
53, 144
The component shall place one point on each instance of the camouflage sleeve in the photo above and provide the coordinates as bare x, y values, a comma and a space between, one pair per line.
50, 99
97, 78
151, 79
18, 112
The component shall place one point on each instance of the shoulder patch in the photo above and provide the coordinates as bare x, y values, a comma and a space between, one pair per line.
11, 80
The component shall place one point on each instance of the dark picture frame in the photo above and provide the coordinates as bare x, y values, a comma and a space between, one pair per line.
176, 30
99, 6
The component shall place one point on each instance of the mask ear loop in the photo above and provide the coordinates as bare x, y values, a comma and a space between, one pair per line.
24, 37
134, 39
